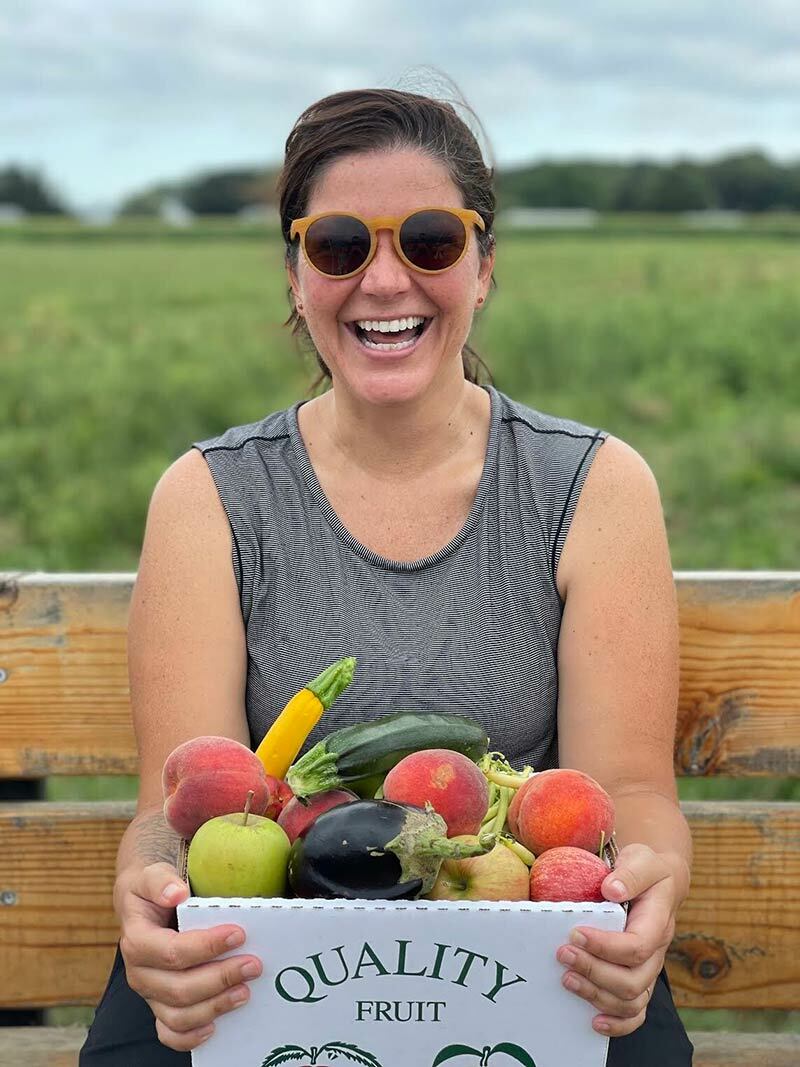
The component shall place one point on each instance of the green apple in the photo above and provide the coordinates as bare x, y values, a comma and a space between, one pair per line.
239, 855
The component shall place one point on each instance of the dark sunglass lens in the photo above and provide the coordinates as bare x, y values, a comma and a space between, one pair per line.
433, 240
337, 245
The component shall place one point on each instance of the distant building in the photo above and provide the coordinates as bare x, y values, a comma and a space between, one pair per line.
714, 220
553, 218
11, 214
258, 214
174, 212
96, 215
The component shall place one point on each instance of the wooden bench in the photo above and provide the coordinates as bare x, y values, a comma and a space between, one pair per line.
64, 711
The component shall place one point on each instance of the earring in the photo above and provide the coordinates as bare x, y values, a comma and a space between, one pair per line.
480, 299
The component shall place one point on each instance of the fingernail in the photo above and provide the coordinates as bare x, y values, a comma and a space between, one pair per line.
618, 889
204, 1035
251, 970
604, 1027
172, 891
566, 955
235, 939
571, 982
577, 938
239, 995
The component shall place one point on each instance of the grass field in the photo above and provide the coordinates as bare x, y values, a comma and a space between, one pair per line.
115, 356
119, 349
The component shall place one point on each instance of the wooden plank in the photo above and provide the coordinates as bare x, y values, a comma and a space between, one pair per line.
737, 944
720, 1049
58, 1046
58, 930
64, 703
739, 708
41, 1046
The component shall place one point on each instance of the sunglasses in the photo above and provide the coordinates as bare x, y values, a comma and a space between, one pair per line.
429, 240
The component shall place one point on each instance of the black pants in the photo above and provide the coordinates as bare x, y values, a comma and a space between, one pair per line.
123, 1033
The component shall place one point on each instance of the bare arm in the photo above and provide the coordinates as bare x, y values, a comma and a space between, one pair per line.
618, 690
187, 663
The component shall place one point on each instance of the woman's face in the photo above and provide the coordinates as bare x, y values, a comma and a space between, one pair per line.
390, 183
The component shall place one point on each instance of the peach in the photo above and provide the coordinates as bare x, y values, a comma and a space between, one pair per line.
209, 776
568, 873
297, 816
564, 807
514, 806
455, 787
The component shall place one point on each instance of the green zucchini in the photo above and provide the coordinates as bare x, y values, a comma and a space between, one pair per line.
359, 757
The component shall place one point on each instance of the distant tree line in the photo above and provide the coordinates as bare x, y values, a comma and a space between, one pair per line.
28, 190
747, 181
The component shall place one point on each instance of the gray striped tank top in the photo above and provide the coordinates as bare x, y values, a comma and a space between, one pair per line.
472, 629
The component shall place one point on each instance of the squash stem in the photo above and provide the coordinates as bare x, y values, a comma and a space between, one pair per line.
327, 686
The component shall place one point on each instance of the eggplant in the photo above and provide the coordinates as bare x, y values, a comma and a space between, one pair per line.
375, 850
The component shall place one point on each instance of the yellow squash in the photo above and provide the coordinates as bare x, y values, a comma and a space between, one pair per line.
285, 737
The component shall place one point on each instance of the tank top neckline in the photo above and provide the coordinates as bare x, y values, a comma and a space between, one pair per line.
320, 499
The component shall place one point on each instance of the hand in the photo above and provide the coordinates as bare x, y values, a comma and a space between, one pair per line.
617, 972
178, 974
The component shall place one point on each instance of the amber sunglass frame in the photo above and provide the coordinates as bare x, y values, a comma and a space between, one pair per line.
467, 217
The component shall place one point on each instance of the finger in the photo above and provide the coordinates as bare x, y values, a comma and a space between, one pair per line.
198, 1016
612, 1026
649, 930
636, 869
605, 1001
182, 1042
145, 945
625, 983
160, 884
195, 985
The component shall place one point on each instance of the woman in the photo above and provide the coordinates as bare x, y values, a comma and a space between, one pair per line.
471, 552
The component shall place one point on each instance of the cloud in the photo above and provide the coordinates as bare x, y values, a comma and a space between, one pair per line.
108, 97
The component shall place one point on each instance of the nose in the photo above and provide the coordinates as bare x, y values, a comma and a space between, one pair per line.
387, 273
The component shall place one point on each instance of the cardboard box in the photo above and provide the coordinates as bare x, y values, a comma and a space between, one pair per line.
410, 983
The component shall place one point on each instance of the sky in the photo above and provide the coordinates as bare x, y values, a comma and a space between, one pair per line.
107, 98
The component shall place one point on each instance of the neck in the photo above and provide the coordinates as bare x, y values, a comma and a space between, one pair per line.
401, 442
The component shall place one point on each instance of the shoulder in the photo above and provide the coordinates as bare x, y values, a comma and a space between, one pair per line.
618, 514
273, 427
536, 426
185, 504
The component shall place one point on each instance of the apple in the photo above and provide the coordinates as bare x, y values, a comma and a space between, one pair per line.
281, 795
568, 873
298, 815
239, 855
496, 875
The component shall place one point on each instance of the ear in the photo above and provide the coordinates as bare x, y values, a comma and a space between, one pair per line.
295, 286
485, 272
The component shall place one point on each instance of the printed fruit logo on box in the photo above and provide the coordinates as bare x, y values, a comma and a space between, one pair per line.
333, 1049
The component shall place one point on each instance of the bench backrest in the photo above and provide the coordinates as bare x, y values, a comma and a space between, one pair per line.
64, 711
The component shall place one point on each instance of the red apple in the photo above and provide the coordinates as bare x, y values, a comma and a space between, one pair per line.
568, 874
297, 816
281, 795
496, 875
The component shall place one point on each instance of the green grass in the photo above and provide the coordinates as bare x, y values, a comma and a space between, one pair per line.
116, 355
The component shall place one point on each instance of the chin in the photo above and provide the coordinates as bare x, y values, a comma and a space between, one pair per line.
389, 387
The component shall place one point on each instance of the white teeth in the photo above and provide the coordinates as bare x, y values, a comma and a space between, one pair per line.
392, 325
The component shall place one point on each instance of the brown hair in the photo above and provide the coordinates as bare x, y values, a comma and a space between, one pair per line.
366, 120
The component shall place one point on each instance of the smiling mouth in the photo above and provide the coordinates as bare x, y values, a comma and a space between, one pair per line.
398, 341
